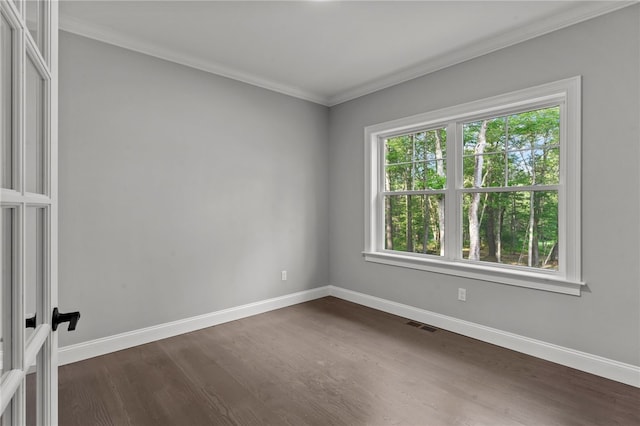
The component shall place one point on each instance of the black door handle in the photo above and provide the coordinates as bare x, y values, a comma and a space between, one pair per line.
70, 317
30, 322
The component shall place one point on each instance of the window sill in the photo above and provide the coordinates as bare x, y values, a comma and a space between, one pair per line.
536, 280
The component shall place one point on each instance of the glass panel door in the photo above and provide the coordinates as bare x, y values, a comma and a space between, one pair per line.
28, 207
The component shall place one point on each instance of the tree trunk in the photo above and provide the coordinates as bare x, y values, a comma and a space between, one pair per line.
491, 233
535, 255
388, 225
439, 155
425, 240
499, 235
440, 172
533, 252
513, 225
441, 225
388, 220
553, 254
530, 256
409, 182
409, 225
474, 224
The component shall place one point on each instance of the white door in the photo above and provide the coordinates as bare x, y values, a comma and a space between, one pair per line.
29, 209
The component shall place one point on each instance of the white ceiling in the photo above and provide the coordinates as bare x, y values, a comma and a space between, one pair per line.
323, 51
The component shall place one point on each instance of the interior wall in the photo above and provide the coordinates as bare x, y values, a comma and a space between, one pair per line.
181, 192
605, 320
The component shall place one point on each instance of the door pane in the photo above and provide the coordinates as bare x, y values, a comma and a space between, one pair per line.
7, 221
6, 98
31, 384
34, 15
34, 277
6, 417
34, 149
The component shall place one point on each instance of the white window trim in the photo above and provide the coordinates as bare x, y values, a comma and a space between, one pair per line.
567, 280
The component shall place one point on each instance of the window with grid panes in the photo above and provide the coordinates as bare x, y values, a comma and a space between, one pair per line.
487, 190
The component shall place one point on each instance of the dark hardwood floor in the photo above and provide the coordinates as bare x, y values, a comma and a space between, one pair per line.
331, 362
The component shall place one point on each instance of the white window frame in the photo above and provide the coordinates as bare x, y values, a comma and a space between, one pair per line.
567, 279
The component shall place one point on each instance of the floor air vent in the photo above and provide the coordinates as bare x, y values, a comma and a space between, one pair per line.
422, 326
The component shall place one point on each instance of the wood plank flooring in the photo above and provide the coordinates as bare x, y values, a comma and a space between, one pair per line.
331, 362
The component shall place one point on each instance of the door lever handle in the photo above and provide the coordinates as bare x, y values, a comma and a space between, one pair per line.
30, 322
70, 317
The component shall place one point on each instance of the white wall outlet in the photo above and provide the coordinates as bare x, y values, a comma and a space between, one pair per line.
462, 294
283, 274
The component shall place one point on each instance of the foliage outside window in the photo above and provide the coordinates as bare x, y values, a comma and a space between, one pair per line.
488, 190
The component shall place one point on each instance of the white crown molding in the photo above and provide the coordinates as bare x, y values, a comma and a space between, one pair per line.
113, 37
594, 364
556, 22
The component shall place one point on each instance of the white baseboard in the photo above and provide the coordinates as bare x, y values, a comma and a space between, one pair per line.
102, 346
600, 366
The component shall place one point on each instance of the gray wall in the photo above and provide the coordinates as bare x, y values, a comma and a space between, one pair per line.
182, 193
605, 320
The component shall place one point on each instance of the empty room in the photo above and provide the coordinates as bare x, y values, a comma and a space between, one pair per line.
319, 212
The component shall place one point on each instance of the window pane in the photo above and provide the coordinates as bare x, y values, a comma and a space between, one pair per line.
483, 150
534, 152
435, 144
398, 177
512, 228
416, 161
34, 149
415, 176
539, 128
431, 175
491, 167
535, 166
520, 149
6, 99
414, 223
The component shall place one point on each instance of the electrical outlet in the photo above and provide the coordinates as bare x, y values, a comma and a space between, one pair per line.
462, 294
283, 274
